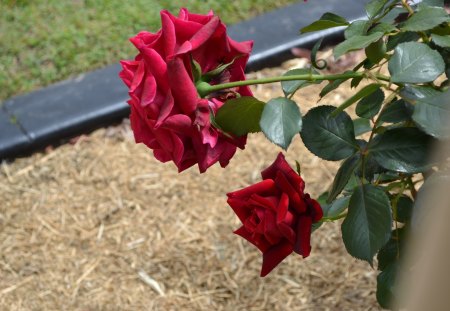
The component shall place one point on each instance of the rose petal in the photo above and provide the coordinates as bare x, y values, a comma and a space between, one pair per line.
166, 109
294, 197
128, 70
183, 89
303, 242
285, 218
179, 123
273, 256
148, 91
168, 33
280, 164
138, 77
270, 202
265, 187
155, 64
261, 244
271, 231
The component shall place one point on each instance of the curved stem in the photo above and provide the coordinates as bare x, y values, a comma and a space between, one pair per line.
407, 7
205, 89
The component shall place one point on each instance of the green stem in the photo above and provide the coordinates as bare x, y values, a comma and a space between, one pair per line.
330, 219
407, 7
205, 89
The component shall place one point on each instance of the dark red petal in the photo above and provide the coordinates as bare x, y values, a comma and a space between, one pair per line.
283, 206
280, 164
240, 208
316, 210
285, 218
271, 231
274, 255
294, 197
264, 187
303, 242
260, 243
264, 202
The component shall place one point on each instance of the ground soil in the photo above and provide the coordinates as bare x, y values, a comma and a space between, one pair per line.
99, 224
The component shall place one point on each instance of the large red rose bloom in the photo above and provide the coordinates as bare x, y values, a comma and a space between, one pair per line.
167, 114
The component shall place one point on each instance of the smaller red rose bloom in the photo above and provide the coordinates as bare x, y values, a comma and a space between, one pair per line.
276, 214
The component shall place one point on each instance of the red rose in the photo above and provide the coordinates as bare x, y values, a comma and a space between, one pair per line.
276, 214
167, 113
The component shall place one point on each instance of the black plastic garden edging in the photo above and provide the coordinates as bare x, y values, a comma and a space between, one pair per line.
33, 121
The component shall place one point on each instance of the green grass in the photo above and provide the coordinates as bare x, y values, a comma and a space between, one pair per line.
44, 41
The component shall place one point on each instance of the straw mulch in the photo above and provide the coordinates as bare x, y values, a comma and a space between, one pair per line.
99, 224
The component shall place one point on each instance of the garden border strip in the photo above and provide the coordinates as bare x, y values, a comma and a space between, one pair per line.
44, 117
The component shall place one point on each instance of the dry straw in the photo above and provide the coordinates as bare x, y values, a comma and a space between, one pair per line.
100, 225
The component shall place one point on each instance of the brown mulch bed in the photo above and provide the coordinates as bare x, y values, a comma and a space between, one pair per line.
101, 225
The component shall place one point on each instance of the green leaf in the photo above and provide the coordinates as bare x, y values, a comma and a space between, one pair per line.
240, 116
441, 30
412, 93
388, 253
367, 226
370, 168
281, 121
442, 41
376, 51
383, 27
351, 185
426, 18
361, 126
196, 70
330, 138
396, 111
343, 175
386, 286
393, 249
402, 37
370, 105
357, 28
332, 85
415, 62
402, 150
388, 177
355, 82
404, 209
336, 207
364, 92
290, 87
439, 3
327, 20
375, 7
432, 115
331, 210
355, 43
217, 71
